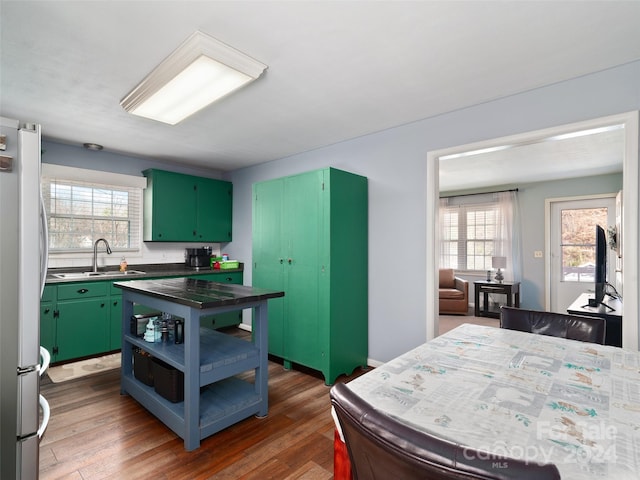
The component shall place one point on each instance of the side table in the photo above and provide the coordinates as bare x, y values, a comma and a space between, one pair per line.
510, 289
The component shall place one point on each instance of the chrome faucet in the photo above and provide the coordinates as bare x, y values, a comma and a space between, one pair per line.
95, 252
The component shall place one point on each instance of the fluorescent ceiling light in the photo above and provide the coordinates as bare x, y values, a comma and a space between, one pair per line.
475, 152
584, 133
199, 72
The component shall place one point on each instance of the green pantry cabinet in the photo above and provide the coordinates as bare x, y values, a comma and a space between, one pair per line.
80, 319
310, 240
185, 208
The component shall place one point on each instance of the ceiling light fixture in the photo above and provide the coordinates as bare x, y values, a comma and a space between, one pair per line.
199, 72
475, 152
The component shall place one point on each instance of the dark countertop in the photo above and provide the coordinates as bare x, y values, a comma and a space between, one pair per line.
198, 293
150, 271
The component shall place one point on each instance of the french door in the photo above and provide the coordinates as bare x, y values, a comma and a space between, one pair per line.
572, 247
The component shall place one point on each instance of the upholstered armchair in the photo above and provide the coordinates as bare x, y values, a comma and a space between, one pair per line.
453, 293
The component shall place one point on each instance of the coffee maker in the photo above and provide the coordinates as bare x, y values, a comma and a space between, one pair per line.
197, 258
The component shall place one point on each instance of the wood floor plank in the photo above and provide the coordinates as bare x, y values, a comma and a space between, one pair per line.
310, 471
96, 433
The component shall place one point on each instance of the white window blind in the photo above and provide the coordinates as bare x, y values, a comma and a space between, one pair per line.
80, 212
469, 232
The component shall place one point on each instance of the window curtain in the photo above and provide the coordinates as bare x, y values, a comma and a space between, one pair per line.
507, 240
444, 202
508, 235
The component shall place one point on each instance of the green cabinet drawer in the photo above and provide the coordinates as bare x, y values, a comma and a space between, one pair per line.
222, 320
222, 277
72, 291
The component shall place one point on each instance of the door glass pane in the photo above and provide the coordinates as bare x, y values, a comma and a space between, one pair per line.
577, 230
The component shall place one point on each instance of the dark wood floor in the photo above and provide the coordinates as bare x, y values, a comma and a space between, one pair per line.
96, 433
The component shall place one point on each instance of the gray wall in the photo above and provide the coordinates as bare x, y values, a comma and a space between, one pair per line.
79, 157
394, 160
395, 163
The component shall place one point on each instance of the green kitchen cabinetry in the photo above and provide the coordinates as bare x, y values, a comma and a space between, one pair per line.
227, 319
185, 208
82, 319
47, 319
79, 319
310, 240
115, 317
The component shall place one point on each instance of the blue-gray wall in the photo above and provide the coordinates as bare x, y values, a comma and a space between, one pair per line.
79, 157
394, 161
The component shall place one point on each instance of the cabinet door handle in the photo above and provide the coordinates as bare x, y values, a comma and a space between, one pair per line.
102, 305
229, 279
281, 261
83, 290
115, 303
46, 310
290, 261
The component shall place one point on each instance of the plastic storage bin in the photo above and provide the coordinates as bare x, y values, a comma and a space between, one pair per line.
228, 265
168, 381
143, 367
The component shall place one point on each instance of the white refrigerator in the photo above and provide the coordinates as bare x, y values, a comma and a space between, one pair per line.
23, 265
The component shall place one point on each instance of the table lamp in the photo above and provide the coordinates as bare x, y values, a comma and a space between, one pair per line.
499, 262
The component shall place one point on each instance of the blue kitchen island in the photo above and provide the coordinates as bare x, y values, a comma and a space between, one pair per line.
212, 362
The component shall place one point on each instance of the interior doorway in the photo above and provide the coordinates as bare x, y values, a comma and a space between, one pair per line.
630, 232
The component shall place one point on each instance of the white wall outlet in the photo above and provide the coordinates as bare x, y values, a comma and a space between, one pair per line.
537, 254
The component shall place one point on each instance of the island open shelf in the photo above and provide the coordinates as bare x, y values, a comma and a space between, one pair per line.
214, 396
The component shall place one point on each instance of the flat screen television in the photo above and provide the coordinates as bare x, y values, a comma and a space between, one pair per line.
601, 265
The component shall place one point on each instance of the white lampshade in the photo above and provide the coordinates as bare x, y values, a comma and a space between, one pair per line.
499, 262
199, 72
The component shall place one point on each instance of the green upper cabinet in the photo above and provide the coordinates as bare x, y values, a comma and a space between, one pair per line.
185, 208
310, 240
213, 210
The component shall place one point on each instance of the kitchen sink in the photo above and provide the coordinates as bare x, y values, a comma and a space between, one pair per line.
114, 273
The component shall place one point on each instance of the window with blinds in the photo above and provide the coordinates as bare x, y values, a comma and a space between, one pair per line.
79, 213
468, 233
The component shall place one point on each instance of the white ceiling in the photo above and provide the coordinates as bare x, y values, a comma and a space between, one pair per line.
337, 69
593, 152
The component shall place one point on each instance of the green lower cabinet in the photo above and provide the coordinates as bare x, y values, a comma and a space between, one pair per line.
222, 320
48, 328
75, 320
115, 322
82, 328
